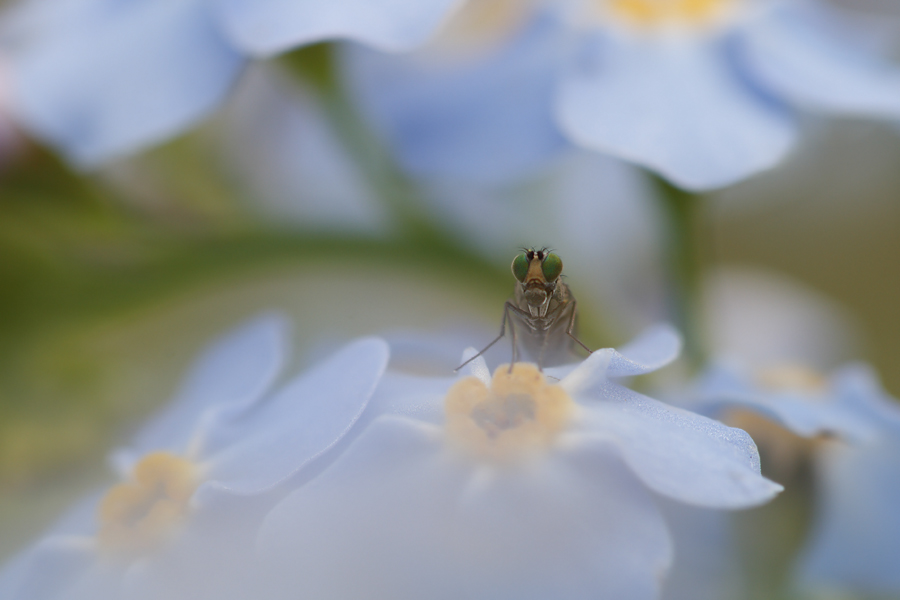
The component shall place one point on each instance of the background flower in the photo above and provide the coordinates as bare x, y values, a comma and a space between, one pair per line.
705, 98
177, 525
99, 78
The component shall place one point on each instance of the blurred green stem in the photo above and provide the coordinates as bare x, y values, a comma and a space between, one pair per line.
683, 211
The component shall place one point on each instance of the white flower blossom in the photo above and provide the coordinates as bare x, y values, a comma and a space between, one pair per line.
194, 482
514, 486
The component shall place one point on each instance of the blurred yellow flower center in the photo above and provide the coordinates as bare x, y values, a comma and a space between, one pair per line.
518, 415
654, 13
480, 24
137, 515
791, 378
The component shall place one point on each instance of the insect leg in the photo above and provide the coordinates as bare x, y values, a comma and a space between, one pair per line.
495, 340
571, 327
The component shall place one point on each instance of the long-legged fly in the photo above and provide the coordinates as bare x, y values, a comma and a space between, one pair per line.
542, 313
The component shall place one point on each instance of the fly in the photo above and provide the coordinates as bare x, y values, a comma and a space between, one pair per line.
543, 309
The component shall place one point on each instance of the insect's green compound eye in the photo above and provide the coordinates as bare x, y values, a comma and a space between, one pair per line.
551, 267
520, 267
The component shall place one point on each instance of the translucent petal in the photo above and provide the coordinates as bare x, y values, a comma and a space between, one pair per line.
653, 349
397, 517
855, 539
278, 142
44, 571
859, 391
707, 565
486, 121
267, 444
267, 27
806, 414
676, 453
430, 353
676, 106
122, 77
234, 372
212, 557
800, 62
421, 398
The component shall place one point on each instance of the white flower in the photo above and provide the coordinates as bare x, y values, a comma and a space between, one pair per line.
508, 487
102, 78
195, 479
706, 93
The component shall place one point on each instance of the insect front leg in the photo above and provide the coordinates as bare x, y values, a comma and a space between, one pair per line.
506, 308
571, 328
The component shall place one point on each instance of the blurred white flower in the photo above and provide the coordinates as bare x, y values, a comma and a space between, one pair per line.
855, 538
180, 523
771, 339
103, 78
706, 92
275, 138
508, 487
778, 345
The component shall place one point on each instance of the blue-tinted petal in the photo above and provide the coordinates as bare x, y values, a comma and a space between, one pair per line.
487, 120
266, 27
676, 453
857, 389
233, 374
266, 445
278, 143
653, 349
855, 540
130, 75
43, 572
807, 414
397, 517
792, 55
677, 107
436, 354
706, 564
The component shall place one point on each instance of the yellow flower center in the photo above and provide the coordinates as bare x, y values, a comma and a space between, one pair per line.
656, 13
480, 25
519, 414
138, 515
791, 378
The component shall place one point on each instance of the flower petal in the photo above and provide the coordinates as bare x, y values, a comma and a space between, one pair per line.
397, 517
233, 374
122, 77
653, 349
267, 27
855, 540
707, 565
807, 415
279, 144
269, 443
676, 453
487, 121
858, 390
789, 54
675, 106
44, 571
